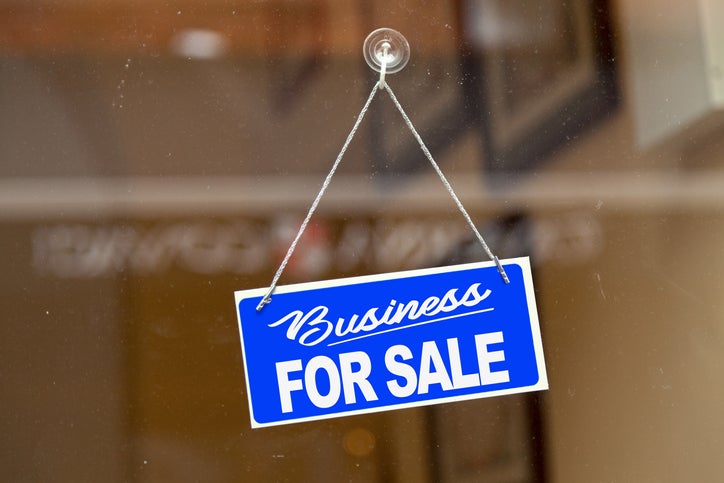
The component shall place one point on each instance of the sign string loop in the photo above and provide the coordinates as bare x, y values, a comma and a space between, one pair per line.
380, 85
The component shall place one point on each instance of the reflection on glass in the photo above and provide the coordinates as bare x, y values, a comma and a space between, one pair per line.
155, 157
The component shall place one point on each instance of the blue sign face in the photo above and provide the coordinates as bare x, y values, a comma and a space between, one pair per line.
367, 344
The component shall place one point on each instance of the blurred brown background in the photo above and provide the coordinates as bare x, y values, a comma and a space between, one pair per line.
156, 156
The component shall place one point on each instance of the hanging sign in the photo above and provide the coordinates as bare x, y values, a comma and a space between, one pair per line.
360, 345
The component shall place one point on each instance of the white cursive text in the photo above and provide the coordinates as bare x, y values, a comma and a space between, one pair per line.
314, 327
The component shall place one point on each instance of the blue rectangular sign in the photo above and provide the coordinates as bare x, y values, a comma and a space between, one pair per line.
366, 344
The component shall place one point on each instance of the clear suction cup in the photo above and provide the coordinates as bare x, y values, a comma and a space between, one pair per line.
386, 44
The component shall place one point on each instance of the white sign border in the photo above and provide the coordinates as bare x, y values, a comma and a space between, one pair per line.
522, 262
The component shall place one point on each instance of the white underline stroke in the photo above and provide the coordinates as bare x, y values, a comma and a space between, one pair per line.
411, 325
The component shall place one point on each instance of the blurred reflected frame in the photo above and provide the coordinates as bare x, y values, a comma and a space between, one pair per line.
504, 446
536, 75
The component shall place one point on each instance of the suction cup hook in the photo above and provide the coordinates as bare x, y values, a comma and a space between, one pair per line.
386, 51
